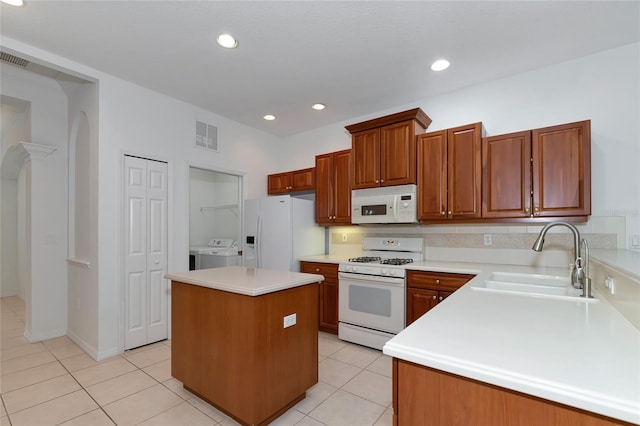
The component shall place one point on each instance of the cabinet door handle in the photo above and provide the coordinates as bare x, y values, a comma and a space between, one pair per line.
526, 210
317, 269
437, 281
443, 213
449, 212
377, 181
381, 180
536, 211
433, 297
440, 298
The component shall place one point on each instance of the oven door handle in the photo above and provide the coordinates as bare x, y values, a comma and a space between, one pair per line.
386, 280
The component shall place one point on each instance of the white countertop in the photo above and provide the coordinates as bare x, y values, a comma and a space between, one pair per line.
586, 355
247, 281
624, 260
323, 258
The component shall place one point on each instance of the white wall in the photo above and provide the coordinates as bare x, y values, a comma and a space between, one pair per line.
141, 122
46, 215
82, 269
14, 116
9, 238
138, 121
604, 87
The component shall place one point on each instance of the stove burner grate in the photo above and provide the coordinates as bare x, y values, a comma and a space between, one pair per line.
396, 261
365, 259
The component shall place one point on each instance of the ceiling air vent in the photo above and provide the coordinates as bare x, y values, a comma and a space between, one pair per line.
206, 136
5, 57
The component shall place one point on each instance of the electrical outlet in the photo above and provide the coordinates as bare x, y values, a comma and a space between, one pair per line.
635, 241
345, 238
289, 320
610, 284
487, 240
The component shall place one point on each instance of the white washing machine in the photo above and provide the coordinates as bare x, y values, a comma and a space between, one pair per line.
218, 253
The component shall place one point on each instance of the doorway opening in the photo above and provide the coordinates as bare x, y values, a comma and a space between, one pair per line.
215, 203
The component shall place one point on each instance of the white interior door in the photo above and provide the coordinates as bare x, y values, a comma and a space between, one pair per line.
146, 310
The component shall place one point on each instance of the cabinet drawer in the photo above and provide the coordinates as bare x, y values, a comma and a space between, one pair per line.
329, 270
437, 280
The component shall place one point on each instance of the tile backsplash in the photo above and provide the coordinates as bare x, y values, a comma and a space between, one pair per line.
502, 243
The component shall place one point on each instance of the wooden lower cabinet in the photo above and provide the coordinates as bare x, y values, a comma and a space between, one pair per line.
426, 289
232, 350
425, 396
328, 300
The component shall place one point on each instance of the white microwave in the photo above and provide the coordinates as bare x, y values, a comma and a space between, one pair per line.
386, 204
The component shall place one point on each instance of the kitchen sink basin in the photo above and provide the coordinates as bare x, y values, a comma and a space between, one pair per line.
532, 285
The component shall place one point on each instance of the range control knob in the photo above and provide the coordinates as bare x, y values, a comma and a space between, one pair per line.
392, 272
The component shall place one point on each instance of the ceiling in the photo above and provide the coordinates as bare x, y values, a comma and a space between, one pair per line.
357, 57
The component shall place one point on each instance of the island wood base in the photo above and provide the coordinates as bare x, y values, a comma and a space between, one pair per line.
425, 396
233, 351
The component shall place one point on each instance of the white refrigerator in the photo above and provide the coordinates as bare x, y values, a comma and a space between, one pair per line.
278, 230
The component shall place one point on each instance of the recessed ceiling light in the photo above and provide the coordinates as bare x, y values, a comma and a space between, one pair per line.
269, 117
318, 107
227, 41
14, 2
440, 64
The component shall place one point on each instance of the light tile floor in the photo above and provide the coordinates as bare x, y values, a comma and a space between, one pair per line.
55, 383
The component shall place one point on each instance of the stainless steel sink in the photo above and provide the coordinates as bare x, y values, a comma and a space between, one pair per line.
532, 285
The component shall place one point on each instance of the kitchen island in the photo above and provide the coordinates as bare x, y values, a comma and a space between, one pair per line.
245, 339
491, 358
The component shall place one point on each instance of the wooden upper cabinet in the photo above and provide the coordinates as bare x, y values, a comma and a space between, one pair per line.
324, 188
366, 159
450, 173
562, 170
343, 171
538, 173
464, 165
333, 188
384, 149
294, 181
398, 154
506, 175
279, 183
432, 175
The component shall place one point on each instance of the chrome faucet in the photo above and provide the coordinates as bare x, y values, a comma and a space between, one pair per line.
586, 284
580, 269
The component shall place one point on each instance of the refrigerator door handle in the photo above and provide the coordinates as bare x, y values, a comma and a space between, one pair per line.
259, 242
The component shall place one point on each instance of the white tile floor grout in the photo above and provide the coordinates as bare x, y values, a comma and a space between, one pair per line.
55, 383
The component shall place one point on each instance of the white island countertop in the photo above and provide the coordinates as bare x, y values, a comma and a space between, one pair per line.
585, 355
243, 280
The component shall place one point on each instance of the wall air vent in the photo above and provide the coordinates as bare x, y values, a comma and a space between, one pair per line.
206, 136
6, 57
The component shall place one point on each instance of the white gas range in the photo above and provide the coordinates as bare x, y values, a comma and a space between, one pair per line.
371, 307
